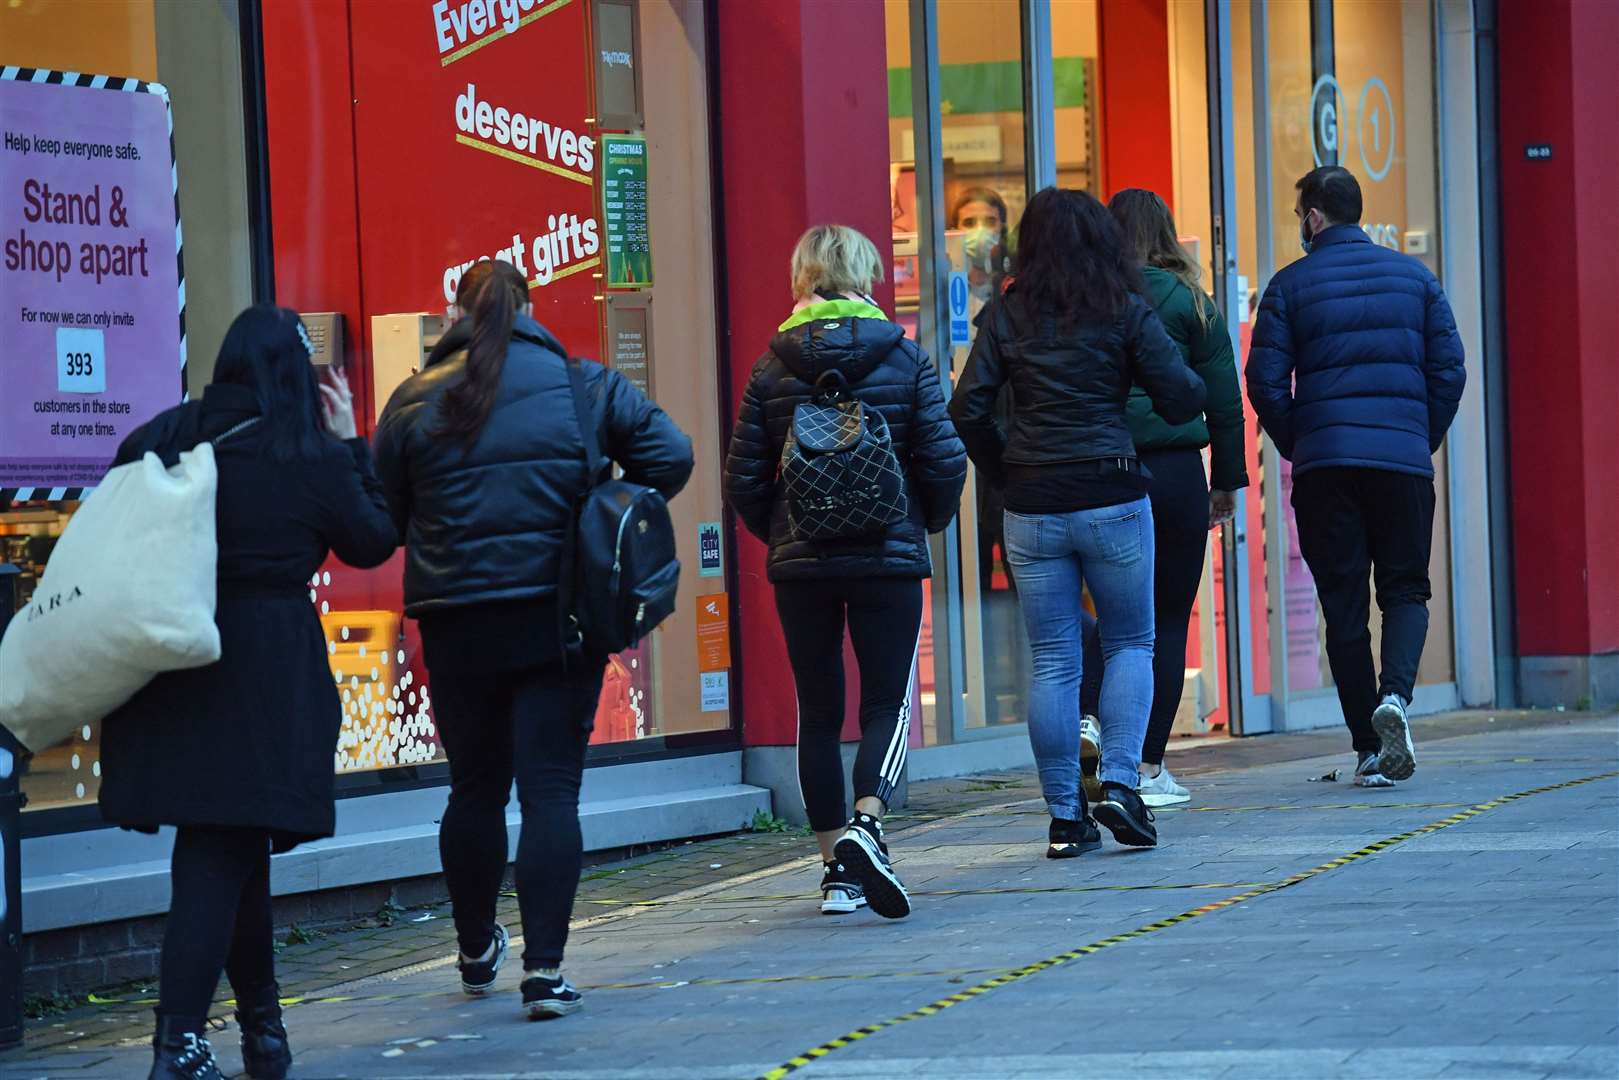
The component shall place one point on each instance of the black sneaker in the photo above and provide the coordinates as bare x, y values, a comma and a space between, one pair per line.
547, 999
1070, 838
1126, 816
862, 850
478, 974
841, 892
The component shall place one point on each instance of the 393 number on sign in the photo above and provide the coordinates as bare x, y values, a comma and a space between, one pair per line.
81, 361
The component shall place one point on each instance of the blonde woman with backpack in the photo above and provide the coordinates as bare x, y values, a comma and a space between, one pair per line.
848, 540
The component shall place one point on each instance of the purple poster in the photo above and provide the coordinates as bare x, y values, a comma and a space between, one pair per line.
90, 293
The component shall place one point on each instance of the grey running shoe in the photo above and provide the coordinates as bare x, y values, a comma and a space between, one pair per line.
1397, 759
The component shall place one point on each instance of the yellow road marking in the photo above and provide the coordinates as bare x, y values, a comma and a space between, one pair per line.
792, 1065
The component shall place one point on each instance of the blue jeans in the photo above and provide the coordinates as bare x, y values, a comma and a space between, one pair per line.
1111, 550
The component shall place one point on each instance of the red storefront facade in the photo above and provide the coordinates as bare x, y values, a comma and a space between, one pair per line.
366, 165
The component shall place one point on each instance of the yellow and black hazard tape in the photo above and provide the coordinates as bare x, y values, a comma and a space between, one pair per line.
809, 1057
1005, 890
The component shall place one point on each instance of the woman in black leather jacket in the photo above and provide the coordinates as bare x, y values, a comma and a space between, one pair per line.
871, 582
1071, 335
481, 459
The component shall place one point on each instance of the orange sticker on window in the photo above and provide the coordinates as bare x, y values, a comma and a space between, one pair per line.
713, 632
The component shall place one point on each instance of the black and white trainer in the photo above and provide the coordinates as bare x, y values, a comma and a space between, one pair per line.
862, 850
1126, 816
1069, 839
1397, 758
547, 999
478, 974
841, 892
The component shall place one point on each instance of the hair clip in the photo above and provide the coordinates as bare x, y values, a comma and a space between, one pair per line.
303, 336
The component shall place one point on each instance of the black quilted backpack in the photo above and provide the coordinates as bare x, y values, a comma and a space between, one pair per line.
838, 467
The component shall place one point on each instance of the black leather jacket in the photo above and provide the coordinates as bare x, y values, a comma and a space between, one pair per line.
487, 525
887, 373
1069, 385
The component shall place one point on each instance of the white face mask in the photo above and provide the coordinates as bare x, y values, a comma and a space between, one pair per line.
979, 247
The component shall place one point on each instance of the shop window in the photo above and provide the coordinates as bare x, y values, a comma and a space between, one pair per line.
644, 300
194, 51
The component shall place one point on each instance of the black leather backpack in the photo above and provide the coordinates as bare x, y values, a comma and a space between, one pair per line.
619, 572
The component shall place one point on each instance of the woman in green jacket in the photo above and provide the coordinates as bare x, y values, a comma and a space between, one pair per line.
1185, 505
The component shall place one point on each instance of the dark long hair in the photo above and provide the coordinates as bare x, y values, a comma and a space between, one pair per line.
492, 302
1071, 261
268, 349
1151, 238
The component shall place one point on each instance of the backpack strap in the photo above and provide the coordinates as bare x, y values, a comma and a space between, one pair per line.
568, 634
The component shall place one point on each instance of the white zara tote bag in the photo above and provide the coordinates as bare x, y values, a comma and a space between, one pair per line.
128, 593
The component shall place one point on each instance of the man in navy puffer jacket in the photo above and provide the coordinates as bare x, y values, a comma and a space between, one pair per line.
1355, 373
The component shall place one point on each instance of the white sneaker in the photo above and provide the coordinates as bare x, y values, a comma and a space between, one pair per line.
1090, 757
1367, 773
1397, 758
1162, 790
1090, 736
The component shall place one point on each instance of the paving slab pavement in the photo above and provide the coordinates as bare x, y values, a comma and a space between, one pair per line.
1484, 942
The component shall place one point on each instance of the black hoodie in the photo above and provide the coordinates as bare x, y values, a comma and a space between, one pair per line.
886, 372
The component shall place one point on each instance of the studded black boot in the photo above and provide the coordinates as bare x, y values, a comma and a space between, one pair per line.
266, 1054
179, 1052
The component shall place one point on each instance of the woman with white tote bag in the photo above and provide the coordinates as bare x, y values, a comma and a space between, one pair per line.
238, 754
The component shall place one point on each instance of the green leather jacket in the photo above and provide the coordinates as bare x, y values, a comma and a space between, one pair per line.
1207, 348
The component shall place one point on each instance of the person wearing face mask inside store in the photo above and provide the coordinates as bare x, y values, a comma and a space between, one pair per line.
980, 214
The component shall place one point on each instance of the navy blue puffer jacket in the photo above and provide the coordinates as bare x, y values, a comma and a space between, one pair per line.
887, 373
1355, 359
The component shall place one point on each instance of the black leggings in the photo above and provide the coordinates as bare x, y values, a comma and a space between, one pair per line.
884, 617
1179, 494
532, 726
219, 919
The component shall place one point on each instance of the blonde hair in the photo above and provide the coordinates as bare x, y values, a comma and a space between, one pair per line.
835, 258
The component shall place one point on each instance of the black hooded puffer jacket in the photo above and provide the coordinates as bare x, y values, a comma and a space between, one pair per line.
887, 373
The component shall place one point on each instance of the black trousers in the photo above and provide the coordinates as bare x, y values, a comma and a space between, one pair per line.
1357, 526
884, 617
219, 919
1179, 493
532, 726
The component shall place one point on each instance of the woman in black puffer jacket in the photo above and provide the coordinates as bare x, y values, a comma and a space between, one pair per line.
481, 458
871, 582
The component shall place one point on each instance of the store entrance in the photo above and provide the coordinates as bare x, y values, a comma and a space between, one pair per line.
1126, 105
